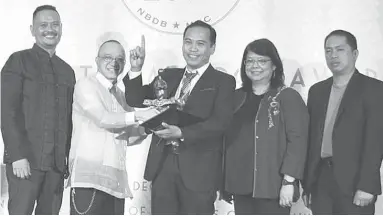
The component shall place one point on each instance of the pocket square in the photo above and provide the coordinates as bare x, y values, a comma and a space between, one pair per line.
208, 89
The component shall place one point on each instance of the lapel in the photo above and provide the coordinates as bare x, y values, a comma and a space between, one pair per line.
205, 81
323, 104
352, 89
240, 97
174, 80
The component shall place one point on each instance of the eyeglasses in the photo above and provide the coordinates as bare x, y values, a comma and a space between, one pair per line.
260, 62
109, 59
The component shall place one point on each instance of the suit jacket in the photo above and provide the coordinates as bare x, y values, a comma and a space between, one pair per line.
200, 159
258, 163
357, 135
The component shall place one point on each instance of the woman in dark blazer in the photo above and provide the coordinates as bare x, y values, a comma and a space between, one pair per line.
265, 146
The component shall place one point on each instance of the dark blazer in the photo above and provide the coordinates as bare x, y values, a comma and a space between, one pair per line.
211, 99
276, 151
357, 136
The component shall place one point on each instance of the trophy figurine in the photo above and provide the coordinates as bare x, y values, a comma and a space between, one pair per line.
162, 103
160, 87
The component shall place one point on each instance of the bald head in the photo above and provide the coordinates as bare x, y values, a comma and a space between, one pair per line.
111, 45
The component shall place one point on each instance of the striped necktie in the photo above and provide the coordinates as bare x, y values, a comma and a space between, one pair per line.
186, 81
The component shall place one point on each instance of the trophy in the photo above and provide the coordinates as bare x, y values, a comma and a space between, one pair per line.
162, 103
160, 86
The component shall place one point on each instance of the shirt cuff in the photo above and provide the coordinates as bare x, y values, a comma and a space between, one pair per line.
289, 178
133, 74
130, 117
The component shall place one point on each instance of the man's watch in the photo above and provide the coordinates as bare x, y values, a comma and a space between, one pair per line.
285, 182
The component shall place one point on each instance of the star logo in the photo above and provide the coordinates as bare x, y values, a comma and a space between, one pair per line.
172, 16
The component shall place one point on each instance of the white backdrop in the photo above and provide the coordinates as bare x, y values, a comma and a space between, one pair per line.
297, 27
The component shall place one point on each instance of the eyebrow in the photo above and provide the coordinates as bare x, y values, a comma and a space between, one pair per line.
46, 22
108, 55
259, 58
339, 46
189, 39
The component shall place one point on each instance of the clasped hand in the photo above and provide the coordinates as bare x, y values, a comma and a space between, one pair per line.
169, 132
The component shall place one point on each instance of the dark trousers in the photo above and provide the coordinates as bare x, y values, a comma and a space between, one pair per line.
327, 198
171, 197
45, 187
247, 205
89, 201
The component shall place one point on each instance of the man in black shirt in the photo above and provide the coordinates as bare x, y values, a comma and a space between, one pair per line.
36, 107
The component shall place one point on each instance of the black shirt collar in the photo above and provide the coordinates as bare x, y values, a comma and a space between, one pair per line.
41, 51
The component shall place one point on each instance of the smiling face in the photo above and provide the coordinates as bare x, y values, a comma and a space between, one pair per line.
340, 57
47, 29
258, 68
111, 60
197, 47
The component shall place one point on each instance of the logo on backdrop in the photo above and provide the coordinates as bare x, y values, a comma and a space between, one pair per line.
172, 16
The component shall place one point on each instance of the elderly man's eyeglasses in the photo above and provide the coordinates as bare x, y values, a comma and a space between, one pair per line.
109, 59
260, 62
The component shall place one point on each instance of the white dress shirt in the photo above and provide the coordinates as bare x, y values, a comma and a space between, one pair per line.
200, 71
102, 129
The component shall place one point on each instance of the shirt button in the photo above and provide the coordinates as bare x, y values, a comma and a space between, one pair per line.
256, 137
256, 121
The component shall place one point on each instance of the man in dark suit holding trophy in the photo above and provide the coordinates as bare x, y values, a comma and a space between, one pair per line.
185, 179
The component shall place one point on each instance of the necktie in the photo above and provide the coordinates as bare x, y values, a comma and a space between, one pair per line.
119, 95
185, 89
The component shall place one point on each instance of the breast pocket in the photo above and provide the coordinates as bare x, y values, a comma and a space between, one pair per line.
201, 103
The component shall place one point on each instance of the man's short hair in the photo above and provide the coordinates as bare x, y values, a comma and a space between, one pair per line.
350, 38
44, 7
213, 33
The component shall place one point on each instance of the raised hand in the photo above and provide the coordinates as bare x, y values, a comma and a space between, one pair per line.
137, 56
